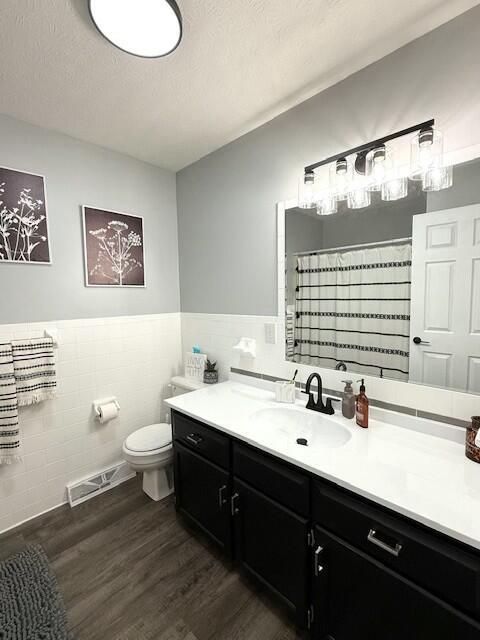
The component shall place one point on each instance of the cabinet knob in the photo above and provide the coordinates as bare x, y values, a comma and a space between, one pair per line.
234, 510
221, 498
318, 568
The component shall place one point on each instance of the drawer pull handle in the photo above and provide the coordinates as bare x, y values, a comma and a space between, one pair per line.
316, 565
394, 551
234, 510
193, 439
221, 499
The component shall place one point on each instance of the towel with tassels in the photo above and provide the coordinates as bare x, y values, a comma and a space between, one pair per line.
34, 367
9, 431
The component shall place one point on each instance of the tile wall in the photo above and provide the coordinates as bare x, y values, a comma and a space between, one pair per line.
216, 335
131, 357
134, 358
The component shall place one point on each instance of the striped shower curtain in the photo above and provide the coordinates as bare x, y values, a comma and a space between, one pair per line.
353, 307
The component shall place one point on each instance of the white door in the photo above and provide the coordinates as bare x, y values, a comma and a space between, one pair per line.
445, 307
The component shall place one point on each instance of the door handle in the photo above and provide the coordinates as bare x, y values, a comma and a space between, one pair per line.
318, 568
394, 551
233, 509
193, 438
221, 499
418, 340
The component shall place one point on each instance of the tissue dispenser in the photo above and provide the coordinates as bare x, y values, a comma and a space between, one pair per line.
106, 409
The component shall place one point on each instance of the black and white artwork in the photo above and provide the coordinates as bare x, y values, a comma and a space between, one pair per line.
113, 245
23, 218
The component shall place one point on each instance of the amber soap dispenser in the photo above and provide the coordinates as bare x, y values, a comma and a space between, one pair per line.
361, 407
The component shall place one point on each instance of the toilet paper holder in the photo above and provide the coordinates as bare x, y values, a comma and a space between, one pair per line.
97, 404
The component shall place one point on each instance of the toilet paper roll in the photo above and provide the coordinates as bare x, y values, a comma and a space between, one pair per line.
107, 412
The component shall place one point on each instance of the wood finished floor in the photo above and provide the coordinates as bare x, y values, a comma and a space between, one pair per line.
128, 569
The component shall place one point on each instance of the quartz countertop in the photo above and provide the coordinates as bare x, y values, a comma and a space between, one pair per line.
420, 475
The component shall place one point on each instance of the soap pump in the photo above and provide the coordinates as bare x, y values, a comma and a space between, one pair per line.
361, 406
348, 400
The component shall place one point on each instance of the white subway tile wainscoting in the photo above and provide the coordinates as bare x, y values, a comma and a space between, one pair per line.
132, 358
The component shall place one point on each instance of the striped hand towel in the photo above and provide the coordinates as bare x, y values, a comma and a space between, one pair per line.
9, 433
34, 366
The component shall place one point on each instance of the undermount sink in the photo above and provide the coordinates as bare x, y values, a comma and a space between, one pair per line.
287, 425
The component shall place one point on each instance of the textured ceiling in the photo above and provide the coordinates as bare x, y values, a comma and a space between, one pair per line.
241, 62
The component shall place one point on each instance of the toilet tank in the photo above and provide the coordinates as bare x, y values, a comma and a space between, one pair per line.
180, 385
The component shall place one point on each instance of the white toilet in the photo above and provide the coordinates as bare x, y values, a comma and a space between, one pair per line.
149, 449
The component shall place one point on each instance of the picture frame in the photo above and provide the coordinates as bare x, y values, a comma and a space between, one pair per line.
24, 221
113, 248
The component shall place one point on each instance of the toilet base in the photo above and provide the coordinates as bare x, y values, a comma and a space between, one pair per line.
158, 483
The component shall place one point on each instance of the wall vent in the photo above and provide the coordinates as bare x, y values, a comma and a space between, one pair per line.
98, 483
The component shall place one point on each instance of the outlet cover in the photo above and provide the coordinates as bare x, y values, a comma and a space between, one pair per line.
270, 333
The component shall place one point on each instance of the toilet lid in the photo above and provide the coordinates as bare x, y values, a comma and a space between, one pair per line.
155, 436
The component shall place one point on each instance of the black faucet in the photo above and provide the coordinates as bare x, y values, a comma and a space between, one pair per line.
318, 405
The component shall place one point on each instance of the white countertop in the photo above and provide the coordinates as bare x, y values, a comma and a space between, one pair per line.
419, 475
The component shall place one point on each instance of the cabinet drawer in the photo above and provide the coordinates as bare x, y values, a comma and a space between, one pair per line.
448, 570
278, 481
202, 439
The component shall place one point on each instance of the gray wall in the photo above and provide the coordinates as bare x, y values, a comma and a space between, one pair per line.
226, 201
77, 173
465, 189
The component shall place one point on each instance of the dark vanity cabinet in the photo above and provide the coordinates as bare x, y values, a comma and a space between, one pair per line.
358, 598
342, 566
202, 479
271, 527
232, 492
377, 576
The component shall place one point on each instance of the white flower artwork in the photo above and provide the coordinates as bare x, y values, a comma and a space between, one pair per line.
113, 244
23, 218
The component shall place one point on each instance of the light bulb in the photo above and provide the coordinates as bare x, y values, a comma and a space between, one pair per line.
395, 188
377, 164
327, 204
438, 178
306, 191
426, 152
340, 178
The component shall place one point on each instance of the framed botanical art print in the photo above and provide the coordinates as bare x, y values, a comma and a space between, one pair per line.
113, 246
23, 218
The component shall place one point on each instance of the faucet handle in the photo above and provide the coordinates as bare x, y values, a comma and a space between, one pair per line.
311, 399
328, 405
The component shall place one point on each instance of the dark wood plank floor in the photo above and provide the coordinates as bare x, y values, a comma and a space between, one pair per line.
128, 569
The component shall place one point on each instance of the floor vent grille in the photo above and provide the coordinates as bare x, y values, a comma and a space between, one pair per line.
98, 483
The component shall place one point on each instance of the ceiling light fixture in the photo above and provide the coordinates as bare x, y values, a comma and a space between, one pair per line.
306, 191
377, 164
145, 28
426, 152
370, 167
341, 177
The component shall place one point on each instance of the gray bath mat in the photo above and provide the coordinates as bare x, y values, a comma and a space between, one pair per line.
31, 607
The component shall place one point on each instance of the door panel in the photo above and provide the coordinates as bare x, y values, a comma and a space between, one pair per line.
201, 494
271, 546
357, 598
445, 307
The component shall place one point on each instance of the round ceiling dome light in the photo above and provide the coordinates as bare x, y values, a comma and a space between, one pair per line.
145, 28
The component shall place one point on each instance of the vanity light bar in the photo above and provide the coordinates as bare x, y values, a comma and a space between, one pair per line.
368, 146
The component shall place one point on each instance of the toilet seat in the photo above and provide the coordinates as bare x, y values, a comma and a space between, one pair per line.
149, 440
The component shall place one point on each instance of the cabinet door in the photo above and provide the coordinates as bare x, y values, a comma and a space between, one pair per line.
271, 547
357, 598
202, 495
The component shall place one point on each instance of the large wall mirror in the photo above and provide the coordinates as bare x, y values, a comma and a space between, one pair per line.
391, 290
